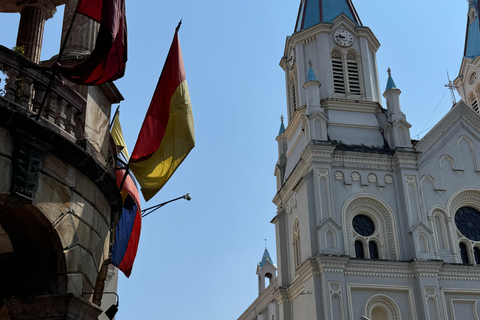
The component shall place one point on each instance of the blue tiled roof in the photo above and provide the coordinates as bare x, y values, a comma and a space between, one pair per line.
390, 83
266, 258
472, 41
311, 75
313, 12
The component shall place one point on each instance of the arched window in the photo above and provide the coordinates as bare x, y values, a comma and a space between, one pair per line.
338, 76
364, 228
373, 250
346, 72
352, 70
292, 83
464, 208
296, 243
464, 253
379, 313
369, 220
359, 254
476, 254
381, 307
472, 99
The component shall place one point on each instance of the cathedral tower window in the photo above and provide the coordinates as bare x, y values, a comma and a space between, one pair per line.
472, 99
364, 227
371, 222
464, 253
352, 70
359, 253
373, 250
338, 75
296, 243
346, 72
292, 84
476, 255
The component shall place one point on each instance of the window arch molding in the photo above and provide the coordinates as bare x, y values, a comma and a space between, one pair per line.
464, 198
440, 222
386, 303
384, 219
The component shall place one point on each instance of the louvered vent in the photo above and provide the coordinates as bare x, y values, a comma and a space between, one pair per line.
338, 77
475, 105
353, 79
294, 97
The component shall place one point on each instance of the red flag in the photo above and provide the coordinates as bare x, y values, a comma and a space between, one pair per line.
167, 133
108, 59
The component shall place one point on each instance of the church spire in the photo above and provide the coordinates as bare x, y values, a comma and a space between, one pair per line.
313, 12
472, 39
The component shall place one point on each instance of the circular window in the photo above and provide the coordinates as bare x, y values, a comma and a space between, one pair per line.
363, 225
467, 221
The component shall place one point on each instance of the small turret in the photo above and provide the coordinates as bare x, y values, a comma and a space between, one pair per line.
282, 155
265, 270
312, 86
397, 131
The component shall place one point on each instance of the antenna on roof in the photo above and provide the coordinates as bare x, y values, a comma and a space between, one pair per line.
452, 88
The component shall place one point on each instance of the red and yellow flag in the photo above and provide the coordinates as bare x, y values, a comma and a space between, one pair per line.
167, 134
109, 57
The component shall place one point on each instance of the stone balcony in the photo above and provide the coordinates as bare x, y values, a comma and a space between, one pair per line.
59, 202
25, 88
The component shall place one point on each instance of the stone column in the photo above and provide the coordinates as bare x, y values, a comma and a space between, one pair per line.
81, 40
33, 13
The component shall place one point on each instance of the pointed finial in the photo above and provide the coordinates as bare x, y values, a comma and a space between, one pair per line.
265, 243
389, 71
178, 26
282, 126
310, 63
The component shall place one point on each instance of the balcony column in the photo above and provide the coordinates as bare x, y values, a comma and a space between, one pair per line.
33, 13
82, 38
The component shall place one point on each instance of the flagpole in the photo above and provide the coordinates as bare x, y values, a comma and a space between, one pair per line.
54, 70
113, 119
158, 206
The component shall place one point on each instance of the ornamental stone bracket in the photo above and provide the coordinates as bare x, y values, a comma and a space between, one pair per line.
27, 157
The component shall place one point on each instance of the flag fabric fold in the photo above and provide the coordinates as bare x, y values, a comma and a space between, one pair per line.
127, 232
167, 134
108, 59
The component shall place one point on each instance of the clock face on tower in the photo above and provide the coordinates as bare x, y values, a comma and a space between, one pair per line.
343, 38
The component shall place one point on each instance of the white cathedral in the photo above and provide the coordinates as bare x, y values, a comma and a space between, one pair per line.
370, 224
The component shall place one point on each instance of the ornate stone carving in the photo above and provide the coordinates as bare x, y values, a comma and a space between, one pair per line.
292, 204
26, 164
338, 175
372, 178
355, 176
388, 179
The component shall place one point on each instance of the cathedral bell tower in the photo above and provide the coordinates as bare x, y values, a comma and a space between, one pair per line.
331, 74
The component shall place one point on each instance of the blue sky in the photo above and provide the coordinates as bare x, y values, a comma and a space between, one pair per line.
197, 259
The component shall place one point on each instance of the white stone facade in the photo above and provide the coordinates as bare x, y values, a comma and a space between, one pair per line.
369, 224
